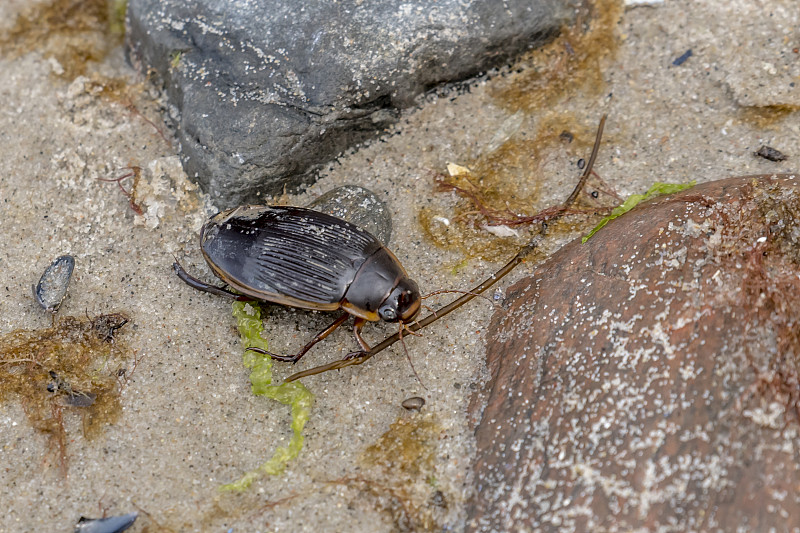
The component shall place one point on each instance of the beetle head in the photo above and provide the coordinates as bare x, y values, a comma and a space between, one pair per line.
403, 303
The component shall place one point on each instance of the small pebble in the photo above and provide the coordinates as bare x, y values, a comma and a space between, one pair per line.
767, 152
415, 403
438, 499
358, 206
52, 287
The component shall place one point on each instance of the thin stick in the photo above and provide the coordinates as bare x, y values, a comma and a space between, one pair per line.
11, 361
357, 358
586, 173
444, 291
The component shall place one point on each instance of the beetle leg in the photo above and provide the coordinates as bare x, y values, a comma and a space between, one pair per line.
358, 323
205, 287
318, 337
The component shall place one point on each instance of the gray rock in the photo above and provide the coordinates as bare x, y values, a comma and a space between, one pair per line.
264, 92
358, 206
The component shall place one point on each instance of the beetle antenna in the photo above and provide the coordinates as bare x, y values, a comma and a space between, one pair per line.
431, 310
400, 335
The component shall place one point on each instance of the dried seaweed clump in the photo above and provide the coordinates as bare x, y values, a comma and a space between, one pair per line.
76, 365
758, 243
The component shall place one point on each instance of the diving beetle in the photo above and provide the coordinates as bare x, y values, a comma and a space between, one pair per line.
303, 258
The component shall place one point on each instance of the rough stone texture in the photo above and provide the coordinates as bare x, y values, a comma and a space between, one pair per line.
648, 379
265, 92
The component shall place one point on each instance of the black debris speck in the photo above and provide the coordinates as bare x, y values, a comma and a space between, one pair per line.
682, 58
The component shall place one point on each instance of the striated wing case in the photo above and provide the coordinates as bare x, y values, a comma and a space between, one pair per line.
287, 255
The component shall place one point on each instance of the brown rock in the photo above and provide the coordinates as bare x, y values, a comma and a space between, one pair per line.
648, 379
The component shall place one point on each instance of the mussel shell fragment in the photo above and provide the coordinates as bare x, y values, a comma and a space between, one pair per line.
112, 524
52, 287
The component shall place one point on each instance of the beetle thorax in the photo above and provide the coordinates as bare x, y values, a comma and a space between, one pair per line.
381, 289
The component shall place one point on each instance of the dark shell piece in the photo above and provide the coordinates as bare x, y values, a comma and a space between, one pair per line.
112, 524
683, 57
52, 287
107, 325
770, 153
415, 403
80, 399
358, 206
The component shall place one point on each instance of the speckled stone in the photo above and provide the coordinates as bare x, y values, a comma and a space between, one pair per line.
358, 206
648, 379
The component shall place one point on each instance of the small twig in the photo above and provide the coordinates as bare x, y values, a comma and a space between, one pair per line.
135, 111
160, 526
444, 291
21, 361
135, 173
582, 181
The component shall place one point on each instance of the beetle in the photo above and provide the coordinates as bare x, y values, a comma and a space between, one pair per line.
302, 258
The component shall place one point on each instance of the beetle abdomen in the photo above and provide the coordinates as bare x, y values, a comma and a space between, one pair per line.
287, 255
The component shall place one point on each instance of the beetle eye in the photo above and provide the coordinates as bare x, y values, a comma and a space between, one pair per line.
388, 314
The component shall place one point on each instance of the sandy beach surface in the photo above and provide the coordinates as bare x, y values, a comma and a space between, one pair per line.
182, 421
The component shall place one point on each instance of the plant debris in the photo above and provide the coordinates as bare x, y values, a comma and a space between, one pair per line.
657, 189
248, 322
72, 366
400, 473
